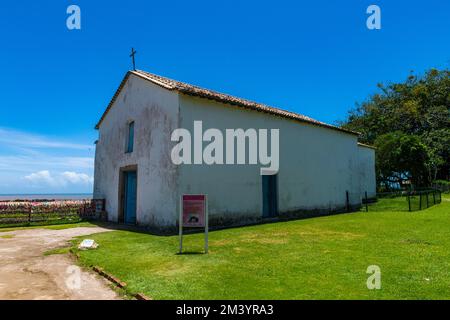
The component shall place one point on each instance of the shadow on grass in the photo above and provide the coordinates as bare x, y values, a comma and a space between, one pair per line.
189, 253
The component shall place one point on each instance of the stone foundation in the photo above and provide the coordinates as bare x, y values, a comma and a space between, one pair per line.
233, 221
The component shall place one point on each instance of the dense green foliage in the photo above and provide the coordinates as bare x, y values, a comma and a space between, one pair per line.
442, 185
319, 258
401, 157
409, 123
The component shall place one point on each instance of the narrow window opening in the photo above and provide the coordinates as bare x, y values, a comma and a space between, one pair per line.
130, 142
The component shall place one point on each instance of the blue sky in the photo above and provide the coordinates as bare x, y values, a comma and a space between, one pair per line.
312, 57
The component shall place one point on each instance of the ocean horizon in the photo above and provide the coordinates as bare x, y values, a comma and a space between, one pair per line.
49, 196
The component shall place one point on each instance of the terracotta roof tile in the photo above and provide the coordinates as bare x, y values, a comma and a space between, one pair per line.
217, 96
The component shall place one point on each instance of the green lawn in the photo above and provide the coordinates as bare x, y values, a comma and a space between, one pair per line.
319, 258
388, 204
400, 203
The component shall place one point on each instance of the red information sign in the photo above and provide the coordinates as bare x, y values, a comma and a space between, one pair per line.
193, 213
194, 210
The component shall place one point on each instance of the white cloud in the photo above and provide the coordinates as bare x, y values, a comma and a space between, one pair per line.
15, 138
39, 162
73, 177
30, 162
40, 177
44, 178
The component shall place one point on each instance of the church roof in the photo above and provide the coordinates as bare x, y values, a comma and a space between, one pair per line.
366, 145
192, 90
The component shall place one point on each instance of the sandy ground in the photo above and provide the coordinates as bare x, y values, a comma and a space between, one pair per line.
25, 273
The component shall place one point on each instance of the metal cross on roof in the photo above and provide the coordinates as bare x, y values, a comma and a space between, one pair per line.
133, 52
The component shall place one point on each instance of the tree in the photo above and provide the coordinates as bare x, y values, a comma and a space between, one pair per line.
419, 107
401, 158
438, 142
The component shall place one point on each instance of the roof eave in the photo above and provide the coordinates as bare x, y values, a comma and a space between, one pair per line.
366, 146
113, 99
274, 113
267, 109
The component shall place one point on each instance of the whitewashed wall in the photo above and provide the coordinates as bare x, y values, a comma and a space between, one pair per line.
155, 113
366, 156
317, 165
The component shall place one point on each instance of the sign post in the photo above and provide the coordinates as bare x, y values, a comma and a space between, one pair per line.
193, 214
206, 224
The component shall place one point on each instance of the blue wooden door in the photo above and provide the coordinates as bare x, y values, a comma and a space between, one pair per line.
270, 196
130, 197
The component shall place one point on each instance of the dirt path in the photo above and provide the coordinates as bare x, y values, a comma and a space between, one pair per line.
25, 273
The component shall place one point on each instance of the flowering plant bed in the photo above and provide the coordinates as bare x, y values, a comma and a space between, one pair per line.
29, 211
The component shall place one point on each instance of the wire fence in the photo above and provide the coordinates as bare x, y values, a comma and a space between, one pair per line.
402, 201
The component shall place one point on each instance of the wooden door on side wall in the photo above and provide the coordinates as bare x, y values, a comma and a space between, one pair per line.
270, 196
130, 196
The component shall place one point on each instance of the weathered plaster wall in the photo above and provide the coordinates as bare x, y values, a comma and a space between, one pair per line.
155, 113
317, 165
366, 171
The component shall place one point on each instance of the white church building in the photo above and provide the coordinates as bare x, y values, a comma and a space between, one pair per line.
322, 168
